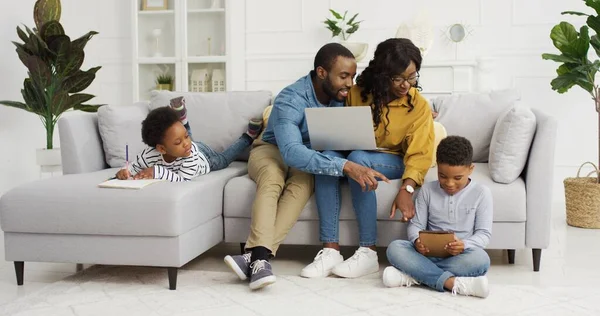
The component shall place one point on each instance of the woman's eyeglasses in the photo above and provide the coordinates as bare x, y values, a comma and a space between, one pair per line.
398, 80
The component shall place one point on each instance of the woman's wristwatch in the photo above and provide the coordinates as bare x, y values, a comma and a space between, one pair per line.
409, 188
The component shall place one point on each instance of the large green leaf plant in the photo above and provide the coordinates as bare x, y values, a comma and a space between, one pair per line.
576, 68
55, 79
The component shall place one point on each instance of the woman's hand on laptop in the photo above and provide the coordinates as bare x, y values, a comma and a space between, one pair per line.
366, 177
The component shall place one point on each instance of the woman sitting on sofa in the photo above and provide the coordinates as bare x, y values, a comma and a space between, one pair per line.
403, 124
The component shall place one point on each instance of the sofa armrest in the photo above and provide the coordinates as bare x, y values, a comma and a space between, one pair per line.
80, 143
539, 181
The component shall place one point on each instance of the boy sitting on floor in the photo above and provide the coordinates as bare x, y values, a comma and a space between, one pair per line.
453, 203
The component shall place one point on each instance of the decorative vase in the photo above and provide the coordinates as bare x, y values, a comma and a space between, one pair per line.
358, 49
216, 4
156, 33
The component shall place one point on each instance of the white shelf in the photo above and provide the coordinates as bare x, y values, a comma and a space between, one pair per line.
156, 12
221, 10
193, 37
206, 59
157, 60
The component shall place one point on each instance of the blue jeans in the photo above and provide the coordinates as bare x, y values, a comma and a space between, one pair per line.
218, 161
434, 272
328, 195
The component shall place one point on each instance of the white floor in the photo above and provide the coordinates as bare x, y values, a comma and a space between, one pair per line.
571, 260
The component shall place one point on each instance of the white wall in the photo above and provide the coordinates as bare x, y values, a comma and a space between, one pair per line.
22, 132
514, 34
280, 40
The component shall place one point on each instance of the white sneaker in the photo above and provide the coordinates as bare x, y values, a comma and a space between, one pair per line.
393, 277
471, 286
363, 262
321, 267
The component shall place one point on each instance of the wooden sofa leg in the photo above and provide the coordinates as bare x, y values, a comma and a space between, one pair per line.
243, 247
537, 256
511, 256
19, 269
172, 278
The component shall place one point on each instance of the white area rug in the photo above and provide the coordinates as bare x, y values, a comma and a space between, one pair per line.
108, 290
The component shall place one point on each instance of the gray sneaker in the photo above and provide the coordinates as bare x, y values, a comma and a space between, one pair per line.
261, 274
240, 264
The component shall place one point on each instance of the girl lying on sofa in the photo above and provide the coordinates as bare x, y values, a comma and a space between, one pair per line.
172, 154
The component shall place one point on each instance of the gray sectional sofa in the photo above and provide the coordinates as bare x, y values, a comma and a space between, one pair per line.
69, 219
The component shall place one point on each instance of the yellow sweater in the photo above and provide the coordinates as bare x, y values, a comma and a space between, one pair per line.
409, 134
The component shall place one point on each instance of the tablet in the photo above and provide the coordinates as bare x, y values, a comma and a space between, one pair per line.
435, 241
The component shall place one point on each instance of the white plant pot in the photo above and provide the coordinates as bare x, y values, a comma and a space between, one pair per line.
359, 50
48, 157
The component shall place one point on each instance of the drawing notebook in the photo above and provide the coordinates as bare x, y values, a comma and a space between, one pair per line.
127, 184
435, 242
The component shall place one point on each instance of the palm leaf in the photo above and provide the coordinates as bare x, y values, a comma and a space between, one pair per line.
88, 107
15, 104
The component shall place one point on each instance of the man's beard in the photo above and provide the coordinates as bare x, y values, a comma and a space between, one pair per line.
330, 90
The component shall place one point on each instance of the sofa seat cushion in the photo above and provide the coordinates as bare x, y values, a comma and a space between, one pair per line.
73, 204
509, 199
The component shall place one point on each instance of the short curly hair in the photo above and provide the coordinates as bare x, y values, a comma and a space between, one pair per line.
455, 151
156, 125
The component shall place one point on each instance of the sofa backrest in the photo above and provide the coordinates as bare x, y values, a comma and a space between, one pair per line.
216, 118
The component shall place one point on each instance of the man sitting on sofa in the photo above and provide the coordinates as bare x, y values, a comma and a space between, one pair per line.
282, 162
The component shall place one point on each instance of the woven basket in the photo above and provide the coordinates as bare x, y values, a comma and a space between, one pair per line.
582, 197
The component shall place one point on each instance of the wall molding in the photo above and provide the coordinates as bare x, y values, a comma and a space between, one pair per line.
311, 55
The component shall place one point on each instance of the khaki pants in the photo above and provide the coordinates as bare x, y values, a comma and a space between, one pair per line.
281, 194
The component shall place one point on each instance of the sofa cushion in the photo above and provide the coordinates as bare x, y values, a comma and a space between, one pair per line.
474, 116
73, 204
440, 133
509, 199
217, 118
119, 125
510, 144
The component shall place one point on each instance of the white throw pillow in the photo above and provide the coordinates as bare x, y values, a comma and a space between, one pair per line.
440, 134
119, 126
510, 144
473, 116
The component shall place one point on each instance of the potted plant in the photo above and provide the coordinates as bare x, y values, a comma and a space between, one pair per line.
55, 79
164, 82
342, 29
582, 195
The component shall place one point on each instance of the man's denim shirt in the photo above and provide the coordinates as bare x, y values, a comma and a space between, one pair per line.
288, 130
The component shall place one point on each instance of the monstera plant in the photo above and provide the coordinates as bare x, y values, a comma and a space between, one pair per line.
55, 79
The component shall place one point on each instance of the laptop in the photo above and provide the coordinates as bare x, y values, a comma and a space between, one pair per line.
341, 128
